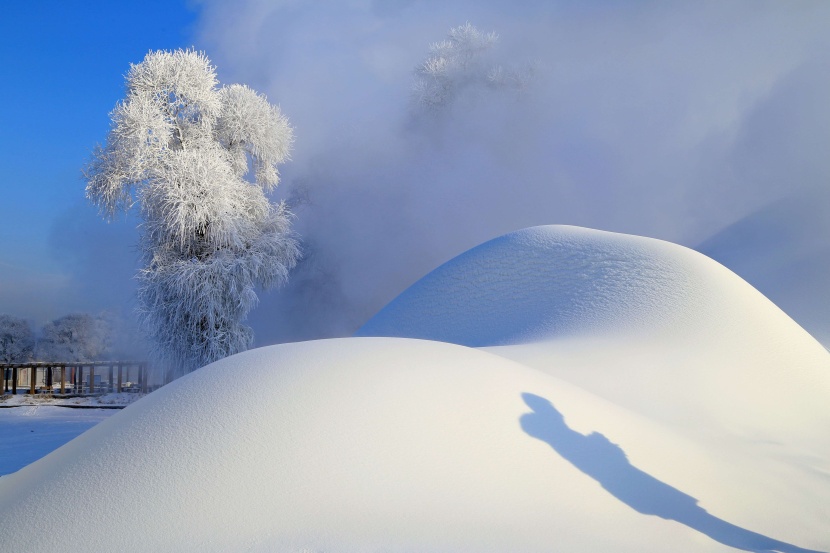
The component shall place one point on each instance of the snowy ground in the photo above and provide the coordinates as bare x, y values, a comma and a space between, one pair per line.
29, 432
621, 395
104, 400
34, 426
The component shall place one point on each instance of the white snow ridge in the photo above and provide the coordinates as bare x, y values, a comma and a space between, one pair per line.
628, 395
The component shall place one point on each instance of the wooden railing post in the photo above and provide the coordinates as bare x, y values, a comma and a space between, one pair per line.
32, 379
92, 379
14, 380
63, 379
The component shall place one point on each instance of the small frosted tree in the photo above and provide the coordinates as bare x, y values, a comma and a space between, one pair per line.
459, 62
182, 148
17, 341
75, 337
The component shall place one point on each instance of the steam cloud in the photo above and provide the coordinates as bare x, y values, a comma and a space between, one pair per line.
664, 119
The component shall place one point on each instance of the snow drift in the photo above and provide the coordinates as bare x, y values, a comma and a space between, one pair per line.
661, 404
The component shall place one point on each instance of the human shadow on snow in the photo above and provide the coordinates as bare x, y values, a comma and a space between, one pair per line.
608, 464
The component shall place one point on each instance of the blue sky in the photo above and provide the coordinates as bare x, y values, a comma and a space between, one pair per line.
62, 72
669, 119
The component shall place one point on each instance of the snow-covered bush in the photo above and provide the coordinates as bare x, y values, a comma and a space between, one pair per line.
17, 341
182, 147
75, 337
461, 61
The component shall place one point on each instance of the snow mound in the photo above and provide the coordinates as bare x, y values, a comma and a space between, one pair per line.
339, 445
557, 281
381, 444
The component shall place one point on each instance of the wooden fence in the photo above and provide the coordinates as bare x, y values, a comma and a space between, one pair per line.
75, 378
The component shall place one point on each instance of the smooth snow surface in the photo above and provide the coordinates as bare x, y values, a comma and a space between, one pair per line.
556, 281
636, 397
31, 431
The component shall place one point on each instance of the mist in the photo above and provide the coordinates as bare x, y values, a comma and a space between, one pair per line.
664, 119
660, 119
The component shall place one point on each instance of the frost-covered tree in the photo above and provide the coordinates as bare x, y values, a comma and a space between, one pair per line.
461, 61
75, 337
17, 341
182, 148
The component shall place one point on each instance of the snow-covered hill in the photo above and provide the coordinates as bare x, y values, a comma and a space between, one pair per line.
628, 395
